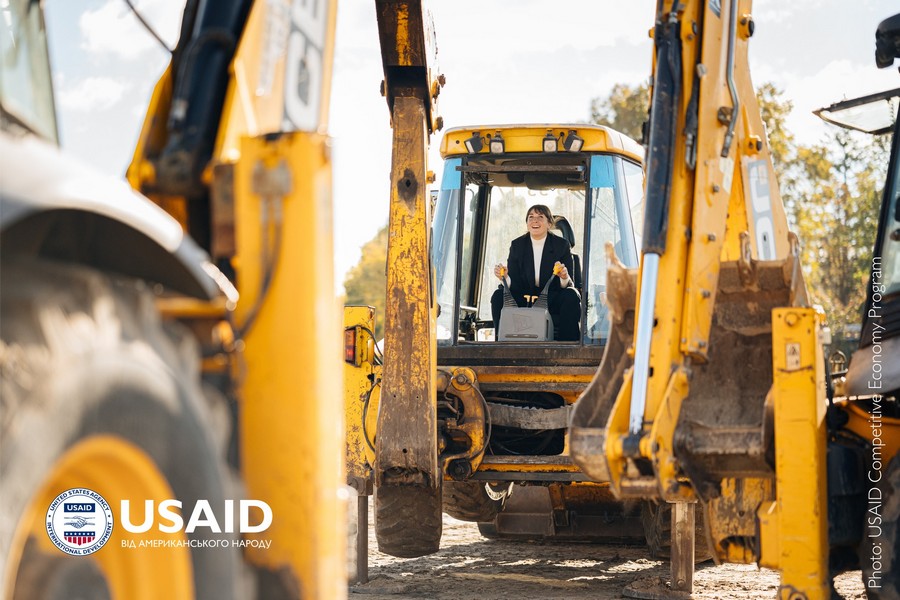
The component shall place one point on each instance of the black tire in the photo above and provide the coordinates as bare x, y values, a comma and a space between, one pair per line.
53, 577
408, 520
489, 531
85, 354
888, 542
656, 518
470, 501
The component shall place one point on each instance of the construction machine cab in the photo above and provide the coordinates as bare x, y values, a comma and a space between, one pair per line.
491, 176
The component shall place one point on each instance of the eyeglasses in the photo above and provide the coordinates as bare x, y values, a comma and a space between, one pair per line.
536, 218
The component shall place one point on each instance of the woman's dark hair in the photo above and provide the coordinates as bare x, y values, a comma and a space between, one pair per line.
542, 209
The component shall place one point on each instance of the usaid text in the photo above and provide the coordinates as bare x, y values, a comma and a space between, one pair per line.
170, 520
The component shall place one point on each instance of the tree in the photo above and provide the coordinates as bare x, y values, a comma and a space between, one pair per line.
366, 283
831, 192
836, 213
625, 109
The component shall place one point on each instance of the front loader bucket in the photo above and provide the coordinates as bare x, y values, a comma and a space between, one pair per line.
587, 426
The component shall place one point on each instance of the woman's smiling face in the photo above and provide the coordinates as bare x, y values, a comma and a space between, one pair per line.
538, 225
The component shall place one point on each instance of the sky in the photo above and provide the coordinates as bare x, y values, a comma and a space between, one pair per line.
506, 61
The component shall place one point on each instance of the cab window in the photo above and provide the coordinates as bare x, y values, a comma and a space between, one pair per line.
481, 209
26, 95
613, 204
507, 208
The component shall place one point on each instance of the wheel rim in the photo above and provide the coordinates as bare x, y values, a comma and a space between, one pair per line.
117, 470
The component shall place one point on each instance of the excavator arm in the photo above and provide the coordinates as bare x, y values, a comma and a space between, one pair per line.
407, 473
234, 146
722, 336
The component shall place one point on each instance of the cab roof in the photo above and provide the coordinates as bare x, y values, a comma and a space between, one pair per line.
529, 138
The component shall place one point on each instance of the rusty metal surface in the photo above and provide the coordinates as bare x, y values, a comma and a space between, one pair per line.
553, 355
221, 195
582, 512
468, 429
529, 468
564, 387
731, 518
723, 430
406, 444
560, 460
401, 30
488, 372
531, 476
409, 56
725, 451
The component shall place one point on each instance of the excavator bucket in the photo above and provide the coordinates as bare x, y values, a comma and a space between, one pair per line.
587, 426
724, 448
716, 439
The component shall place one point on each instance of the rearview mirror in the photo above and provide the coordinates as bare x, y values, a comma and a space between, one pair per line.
887, 42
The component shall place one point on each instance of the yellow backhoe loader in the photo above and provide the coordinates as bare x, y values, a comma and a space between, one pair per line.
502, 406
132, 370
457, 415
712, 389
725, 400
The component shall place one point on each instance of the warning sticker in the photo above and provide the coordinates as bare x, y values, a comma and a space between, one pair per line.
792, 352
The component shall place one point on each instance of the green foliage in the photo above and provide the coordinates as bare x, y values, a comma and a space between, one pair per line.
366, 283
625, 109
836, 218
832, 194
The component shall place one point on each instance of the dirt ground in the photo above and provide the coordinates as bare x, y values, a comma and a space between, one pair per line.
469, 566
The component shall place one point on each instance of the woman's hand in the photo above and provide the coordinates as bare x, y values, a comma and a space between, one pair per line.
560, 270
499, 271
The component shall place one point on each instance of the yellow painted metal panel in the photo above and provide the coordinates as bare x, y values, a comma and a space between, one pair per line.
662, 435
862, 423
359, 386
291, 410
799, 517
528, 138
280, 40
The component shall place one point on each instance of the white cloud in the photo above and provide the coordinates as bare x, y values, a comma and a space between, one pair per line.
112, 30
502, 31
92, 94
774, 11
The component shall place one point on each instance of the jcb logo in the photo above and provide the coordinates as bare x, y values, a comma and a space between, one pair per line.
305, 64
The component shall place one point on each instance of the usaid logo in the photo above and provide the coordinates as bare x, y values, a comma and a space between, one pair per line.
79, 521
201, 516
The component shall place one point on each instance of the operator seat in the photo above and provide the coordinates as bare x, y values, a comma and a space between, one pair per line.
566, 232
